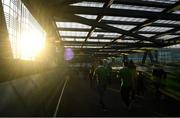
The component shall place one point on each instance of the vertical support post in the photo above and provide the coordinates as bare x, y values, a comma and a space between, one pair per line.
144, 57
148, 53
61, 55
151, 56
125, 58
156, 56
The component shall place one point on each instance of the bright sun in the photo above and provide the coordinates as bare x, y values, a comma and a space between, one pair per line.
31, 44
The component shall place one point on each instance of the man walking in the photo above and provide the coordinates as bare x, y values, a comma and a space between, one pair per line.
101, 76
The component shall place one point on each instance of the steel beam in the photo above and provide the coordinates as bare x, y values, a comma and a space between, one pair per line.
136, 2
116, 12
150, 21
174, 39
144, 57
131, 23
100, 30
137, 23
100, 38
125, 58
126, 2
78, 19
165, 33
101, 43
107, 4
83, 37
151, 57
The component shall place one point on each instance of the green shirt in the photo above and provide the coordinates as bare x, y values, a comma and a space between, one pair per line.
101, 74
127, 76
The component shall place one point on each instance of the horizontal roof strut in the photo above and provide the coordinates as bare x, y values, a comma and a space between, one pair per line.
163, 15
100, 43
172, 41
165, 33
107, 4
100, 30
132, 2
170, 9
75, 18
131, 23
117, 12
150, 21
103, 38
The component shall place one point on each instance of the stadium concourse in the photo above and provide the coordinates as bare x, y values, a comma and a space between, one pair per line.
89, 58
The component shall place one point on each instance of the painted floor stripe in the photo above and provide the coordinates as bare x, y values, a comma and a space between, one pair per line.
59, 101
114, 90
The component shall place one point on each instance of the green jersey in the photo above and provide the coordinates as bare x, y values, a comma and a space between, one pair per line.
127, 75
101, 73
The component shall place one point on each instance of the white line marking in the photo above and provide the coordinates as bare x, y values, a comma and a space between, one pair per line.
56, 91
114, 90
59, 101
160, 114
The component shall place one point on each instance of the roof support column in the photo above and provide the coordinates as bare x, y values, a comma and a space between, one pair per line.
147, 53
156, 56
125, 58
144, 57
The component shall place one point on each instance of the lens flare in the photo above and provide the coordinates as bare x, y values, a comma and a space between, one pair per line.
68, 54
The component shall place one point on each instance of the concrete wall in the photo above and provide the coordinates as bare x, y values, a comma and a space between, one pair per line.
31, 95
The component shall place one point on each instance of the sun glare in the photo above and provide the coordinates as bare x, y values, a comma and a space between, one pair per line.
31, 44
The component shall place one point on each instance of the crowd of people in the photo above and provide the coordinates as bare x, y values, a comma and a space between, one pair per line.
131, 81
101, 77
